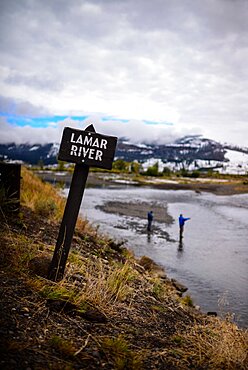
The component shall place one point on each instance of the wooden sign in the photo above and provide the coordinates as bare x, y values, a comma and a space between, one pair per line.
84, 148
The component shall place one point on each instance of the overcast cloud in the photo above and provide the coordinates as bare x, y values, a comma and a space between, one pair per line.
182, 62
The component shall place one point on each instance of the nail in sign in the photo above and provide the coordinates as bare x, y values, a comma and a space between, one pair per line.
88, 148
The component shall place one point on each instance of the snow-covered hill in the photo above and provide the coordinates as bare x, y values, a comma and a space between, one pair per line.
190, 152
237, 162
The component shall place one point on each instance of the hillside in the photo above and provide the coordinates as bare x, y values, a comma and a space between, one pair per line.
110, 311
190, 152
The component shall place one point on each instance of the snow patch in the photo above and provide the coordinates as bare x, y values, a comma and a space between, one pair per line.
35, 147
54, 150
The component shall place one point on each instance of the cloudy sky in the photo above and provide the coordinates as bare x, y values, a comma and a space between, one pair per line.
147, 70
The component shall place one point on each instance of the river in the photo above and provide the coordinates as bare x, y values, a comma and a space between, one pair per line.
211, 262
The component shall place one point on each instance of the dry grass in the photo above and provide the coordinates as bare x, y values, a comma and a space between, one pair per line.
99, 285
106, 285
41, 197
218, 344
18, 250
45, 200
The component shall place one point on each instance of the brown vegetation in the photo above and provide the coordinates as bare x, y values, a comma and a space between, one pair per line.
110, 310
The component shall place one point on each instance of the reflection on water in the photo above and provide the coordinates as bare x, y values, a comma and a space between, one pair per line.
180, 246
212, 257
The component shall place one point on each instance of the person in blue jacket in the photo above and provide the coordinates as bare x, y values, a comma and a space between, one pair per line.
149, 219
181, 225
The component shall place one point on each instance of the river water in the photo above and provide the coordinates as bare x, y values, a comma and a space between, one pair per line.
213, 259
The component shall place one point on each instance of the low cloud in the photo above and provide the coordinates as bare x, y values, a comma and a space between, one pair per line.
27, 134
10, 106
44, 82
22, 122
135, 131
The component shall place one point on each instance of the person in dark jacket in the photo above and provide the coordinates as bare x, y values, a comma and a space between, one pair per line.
149, 219
181, 225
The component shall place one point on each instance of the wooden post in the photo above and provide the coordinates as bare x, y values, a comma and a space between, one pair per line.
75, 196
85, 148
10, 182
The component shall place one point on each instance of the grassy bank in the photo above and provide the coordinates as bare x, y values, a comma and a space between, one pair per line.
110, 311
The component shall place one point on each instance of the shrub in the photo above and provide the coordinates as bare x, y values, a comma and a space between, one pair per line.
135, 167
195, 174
187, 301
153, 170
166, 171
120, 165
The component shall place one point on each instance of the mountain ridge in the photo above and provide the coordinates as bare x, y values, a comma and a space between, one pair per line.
189, 152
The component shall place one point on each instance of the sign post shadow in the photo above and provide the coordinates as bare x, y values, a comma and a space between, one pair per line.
85, 148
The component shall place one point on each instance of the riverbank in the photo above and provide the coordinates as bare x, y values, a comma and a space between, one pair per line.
212, 185
221, 186
110, 311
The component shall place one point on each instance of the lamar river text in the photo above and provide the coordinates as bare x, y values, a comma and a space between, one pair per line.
90, 147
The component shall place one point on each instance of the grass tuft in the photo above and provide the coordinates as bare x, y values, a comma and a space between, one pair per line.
117, 349
187, 301
62, 346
